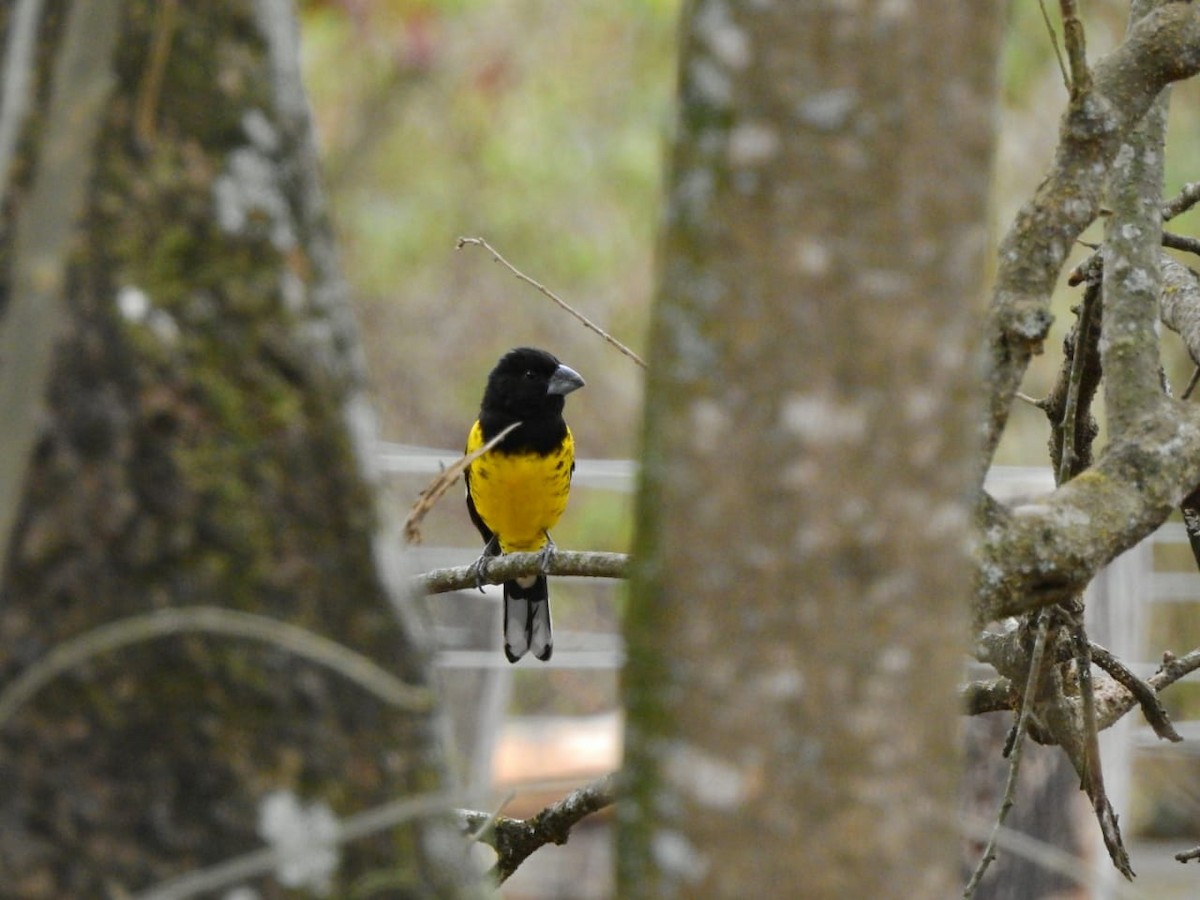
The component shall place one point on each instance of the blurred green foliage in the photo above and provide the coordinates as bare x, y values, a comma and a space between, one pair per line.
540, 126
537, 125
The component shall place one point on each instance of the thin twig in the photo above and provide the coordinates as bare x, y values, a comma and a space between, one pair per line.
1181, 242
1152, 707
1014, 760
1069, 453
1091, 267
1188, 196
1062, 65
1092, 773
480, 242
1050, 858
978, 697
441, 483
1173, 668
1074, 448
1191, 385
73, 653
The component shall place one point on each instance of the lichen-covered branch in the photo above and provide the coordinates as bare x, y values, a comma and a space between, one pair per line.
515, 565
1047, 551
1161, 48
514, 840
1132, 238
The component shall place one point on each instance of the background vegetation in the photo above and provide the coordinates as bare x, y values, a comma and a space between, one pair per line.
540, 126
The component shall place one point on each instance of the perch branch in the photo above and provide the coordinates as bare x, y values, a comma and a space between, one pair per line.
516, 565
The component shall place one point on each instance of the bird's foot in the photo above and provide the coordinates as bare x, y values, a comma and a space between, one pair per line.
546, 555
478, 569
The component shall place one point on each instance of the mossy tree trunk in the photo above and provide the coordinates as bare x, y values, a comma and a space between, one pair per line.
798, 613
204, 441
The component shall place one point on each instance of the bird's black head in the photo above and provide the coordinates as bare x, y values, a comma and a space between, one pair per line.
527, 385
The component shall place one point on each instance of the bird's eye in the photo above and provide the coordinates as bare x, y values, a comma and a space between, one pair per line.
529, 374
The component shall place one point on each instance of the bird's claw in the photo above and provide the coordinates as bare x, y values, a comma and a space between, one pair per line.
478, 571
546, 555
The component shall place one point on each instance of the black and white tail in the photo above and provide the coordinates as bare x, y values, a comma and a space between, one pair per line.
527, 618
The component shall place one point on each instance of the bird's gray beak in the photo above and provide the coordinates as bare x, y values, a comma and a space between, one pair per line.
564, 380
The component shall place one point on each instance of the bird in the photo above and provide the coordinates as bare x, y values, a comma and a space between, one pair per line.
517, 490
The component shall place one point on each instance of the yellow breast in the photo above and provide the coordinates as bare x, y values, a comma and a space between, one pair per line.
520, 496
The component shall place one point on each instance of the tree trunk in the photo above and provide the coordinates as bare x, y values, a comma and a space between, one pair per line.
798, 611
204, 442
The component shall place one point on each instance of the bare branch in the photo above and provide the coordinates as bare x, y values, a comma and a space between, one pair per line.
1004, 652
1089, 766
1188, 196
979, 697
1160, 48
1062, 65
588, 323
1188, 855
1152, 708
1047, 551
1132, 240
516, 565
514, 840
1016, 745
1073, 428
1179, 304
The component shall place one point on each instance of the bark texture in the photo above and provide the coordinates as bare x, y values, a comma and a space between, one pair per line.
801, 580
202, 444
